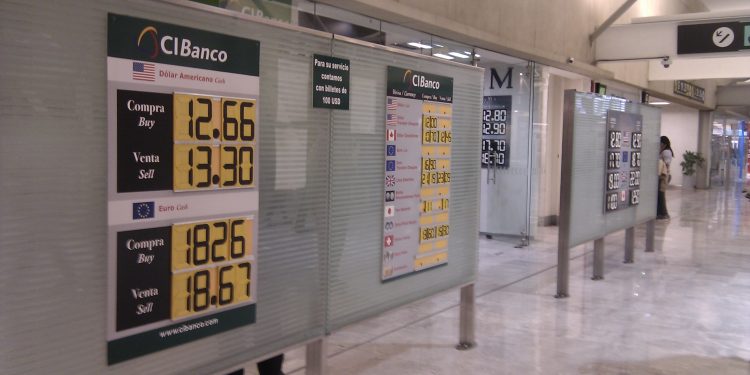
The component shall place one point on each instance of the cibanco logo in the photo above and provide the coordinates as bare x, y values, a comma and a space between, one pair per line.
148, 42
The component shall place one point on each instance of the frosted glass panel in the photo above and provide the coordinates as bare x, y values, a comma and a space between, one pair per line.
588, 220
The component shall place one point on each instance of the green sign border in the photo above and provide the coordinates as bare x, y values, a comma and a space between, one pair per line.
149, 342
140, 39
400, 84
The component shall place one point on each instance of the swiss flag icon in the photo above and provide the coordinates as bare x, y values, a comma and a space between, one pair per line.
390, 134
388, 241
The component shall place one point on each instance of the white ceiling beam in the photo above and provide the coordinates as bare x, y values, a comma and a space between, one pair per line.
733, 66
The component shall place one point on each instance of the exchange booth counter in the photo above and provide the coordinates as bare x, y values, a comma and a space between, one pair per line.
609, 178
240, 187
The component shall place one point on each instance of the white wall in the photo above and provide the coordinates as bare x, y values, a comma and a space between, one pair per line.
680, 124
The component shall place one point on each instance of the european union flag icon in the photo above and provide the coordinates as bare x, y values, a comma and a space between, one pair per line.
390, 150
143, 210
390, 165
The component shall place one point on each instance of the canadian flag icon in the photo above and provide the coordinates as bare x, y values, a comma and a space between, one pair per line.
388, 241
390, 211
390, 134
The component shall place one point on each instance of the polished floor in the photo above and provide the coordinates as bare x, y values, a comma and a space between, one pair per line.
683, 309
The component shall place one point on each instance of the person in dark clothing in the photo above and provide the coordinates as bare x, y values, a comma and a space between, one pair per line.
665, 155
271, 366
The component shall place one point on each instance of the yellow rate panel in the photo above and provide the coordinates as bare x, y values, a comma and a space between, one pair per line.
445, 109
430, 260
435, 191
200, 290
237, 120
192, 292
196, 166
444, 123
434, 178
199, 243
440, 151
433, 136
233, 283
431, 246
237, 163
431, 164
195, 118
433, 232
428, 107
432, 206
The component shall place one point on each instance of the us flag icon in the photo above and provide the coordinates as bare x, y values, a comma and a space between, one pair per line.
390, 135
144, 71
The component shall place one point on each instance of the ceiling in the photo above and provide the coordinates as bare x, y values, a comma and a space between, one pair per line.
724, 5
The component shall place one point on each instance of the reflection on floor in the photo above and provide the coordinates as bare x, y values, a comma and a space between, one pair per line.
684, 309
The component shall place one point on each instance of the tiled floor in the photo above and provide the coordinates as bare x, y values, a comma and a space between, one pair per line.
683, 309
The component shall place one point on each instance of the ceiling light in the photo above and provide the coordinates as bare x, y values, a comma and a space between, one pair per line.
442, 56
438, 45
419, 45
459, 55
659, 103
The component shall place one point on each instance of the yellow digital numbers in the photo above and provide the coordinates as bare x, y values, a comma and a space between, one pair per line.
195, 166
238, 120
433, 178
196, 118
237, 166
211, 264
433, 232
198, 244
214, 142
433, 206
208, 288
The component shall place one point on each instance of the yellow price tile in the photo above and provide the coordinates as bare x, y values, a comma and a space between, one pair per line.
233, 283
238, 120
240, 237
192, 292
428, 107
195, 118
441, 218
436, 151
237, 163
426, 247
195, 166
445, 123
445, 109
430, 260
200, 243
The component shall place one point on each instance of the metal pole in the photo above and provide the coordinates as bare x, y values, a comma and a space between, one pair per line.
650, 235
566, 186
598, 259
563, 270
466, 319
316, 357
629, 242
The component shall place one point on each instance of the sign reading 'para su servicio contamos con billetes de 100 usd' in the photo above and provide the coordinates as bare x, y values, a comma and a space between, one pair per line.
182, 184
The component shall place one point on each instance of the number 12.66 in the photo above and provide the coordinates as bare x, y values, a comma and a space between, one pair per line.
208, 118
